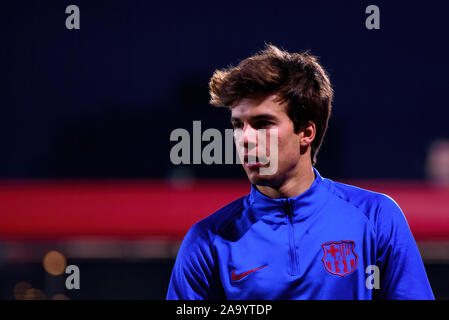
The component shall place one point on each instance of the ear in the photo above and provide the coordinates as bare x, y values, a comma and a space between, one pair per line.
307, 134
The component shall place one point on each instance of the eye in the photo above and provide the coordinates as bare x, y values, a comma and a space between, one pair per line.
237, 124
263, 124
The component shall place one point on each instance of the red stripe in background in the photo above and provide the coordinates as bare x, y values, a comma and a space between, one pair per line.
48, 209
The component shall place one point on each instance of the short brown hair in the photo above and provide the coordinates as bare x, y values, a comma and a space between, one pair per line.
297, 78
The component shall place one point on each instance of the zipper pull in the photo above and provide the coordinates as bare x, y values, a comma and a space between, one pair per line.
290, 206
286, 206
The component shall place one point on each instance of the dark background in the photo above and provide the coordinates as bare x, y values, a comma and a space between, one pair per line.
101, 101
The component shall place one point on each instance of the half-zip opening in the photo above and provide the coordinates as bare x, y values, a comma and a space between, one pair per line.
288, 207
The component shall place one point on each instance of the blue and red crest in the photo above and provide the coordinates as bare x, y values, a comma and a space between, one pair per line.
339, 257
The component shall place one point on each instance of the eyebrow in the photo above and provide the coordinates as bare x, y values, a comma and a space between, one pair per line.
265, 116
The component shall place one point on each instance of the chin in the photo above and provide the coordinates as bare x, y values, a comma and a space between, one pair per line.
261, 180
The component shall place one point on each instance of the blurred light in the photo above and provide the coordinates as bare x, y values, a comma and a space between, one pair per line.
54, 263
20, 290
181, 177
34, 294
438, 162
60, 296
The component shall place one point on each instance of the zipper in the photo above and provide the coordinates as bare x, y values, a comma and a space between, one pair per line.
288, 207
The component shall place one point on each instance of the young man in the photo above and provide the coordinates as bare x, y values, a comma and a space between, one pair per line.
296, 235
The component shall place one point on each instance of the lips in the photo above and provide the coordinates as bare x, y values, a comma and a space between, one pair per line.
255, 162
253, 165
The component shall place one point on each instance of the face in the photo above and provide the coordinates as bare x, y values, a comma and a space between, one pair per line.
248, 117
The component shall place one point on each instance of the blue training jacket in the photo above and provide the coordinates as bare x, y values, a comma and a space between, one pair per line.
322, 244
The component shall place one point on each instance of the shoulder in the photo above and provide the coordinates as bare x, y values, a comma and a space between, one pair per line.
376, 206
358, 197
197, 246
207, 228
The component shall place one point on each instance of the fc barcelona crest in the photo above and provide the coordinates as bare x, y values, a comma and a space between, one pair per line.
339, 257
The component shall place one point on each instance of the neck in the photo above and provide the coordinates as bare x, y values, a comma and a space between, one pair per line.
299, 181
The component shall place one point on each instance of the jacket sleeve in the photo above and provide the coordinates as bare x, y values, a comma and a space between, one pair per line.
402, 272
193, 275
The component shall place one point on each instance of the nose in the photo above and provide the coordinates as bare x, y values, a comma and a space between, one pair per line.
249, 137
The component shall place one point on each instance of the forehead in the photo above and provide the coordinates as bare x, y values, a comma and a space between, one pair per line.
255, 106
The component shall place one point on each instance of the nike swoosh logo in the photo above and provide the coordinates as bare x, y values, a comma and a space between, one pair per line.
237, 277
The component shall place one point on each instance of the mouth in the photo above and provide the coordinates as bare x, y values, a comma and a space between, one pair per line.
255, 162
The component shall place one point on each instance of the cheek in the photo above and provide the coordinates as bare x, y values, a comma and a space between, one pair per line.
289, 146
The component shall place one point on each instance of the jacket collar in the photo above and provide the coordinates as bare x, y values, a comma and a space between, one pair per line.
301, 206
